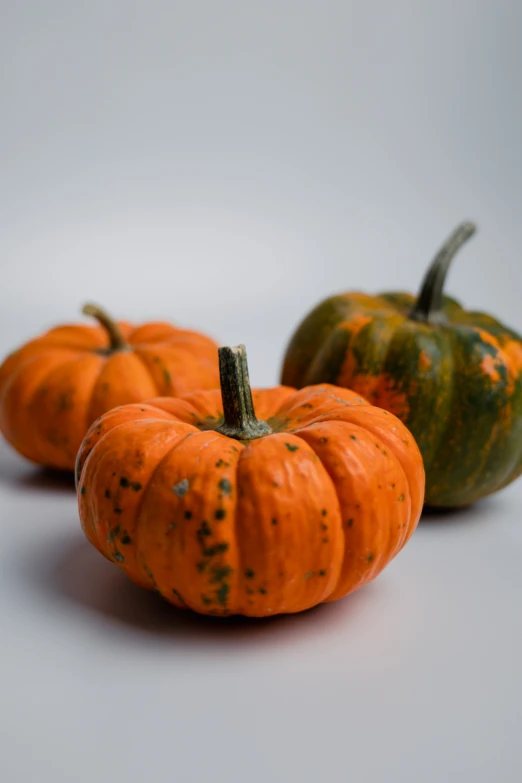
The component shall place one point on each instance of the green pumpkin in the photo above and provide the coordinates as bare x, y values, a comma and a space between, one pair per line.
453, 376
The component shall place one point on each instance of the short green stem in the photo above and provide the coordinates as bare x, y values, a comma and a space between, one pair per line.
429, 307
117, 340
240, 418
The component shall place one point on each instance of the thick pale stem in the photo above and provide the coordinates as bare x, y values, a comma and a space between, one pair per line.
429, 304
240, 418
117, 341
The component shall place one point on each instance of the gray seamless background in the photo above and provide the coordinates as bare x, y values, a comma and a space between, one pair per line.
225, 165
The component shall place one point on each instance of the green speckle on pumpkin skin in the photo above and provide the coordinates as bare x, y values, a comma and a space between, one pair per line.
206, 600
274, 521
225, 486
136, 486
204, 530
222, 593
65, 402
118, 510
178, 596
217, 549
126, 539
369, 558
322, 572
324, 512
292, 446
309, 575
249, 574
181, 488
220, 573
108, 494
118, 557
325, 540
82, 491
401, 498
353, 437
188, 515
220, 513
113, 532
262, 590
349, 523
124, 482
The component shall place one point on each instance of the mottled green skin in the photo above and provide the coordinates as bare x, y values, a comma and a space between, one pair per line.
451, 385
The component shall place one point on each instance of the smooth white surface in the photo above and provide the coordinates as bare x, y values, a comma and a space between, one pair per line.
225, 165
414, 678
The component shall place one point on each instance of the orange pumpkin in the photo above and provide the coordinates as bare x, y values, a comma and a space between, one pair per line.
224, 513
56, 385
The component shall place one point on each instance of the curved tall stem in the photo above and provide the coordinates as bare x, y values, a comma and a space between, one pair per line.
117, 341
429, 304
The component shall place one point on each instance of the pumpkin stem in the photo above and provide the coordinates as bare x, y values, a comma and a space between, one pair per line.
429, 305
117, 341
240, 418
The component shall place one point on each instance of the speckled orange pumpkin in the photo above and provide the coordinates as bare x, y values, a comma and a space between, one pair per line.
56, 385
225, 513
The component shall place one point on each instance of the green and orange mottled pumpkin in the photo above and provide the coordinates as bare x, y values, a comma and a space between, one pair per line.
224, 513
55, 386
454, 377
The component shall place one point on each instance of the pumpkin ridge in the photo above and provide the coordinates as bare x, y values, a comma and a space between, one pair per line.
111, 372
137, 354
497, 430
459, 335
241, 556
194, 530
370, 424
94, 449
31, 399
294, 597
138, 526
29, 359
413, 404
335, 587
87, 459
68, 366
399, 466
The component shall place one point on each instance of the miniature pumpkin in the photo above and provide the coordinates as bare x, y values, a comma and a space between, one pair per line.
454, 377
224, 513
55, 386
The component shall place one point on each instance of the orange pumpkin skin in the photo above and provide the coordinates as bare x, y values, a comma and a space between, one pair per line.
305, 514
55, 386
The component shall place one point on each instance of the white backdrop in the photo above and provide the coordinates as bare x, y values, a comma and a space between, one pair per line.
225, 165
